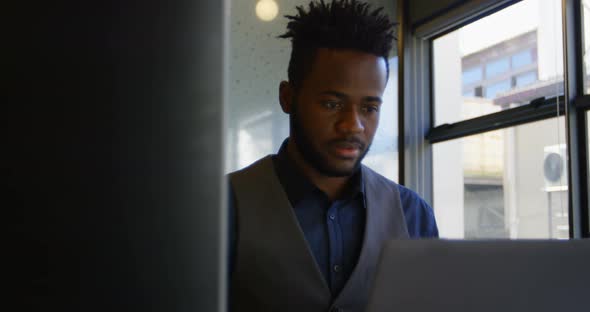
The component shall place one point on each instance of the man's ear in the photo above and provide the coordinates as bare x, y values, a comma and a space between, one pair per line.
286, 93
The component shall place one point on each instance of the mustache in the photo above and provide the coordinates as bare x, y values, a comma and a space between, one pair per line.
354, 141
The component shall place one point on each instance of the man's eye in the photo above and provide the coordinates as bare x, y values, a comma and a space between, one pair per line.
372, 108
331, 104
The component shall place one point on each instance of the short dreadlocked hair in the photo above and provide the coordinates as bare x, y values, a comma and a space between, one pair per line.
342, 24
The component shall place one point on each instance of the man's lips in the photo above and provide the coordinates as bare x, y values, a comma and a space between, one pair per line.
345, 152
348, 149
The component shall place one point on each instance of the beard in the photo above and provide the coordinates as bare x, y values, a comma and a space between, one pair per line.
315, 158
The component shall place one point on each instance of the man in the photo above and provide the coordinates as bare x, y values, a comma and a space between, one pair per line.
308, 223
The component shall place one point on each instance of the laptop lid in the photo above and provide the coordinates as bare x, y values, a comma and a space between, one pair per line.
499, 275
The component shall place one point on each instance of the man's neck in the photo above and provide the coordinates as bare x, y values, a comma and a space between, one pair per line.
334, 187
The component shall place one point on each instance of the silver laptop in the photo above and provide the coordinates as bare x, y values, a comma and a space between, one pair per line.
468, 276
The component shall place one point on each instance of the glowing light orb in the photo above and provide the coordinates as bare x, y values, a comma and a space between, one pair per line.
267, 10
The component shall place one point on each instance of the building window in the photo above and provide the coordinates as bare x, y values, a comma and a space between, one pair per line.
525, 79
513, 56
498, 87
522, 58
507, 182
472, 75
470, 93
497, 67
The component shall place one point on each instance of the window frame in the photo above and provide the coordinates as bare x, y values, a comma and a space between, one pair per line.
576, 122
417, 130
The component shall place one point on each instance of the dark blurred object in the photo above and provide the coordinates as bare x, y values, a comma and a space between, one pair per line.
114, 158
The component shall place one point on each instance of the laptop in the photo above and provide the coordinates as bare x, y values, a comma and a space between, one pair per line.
496, 275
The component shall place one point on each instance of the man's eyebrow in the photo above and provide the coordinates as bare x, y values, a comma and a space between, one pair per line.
335, 93
373, 99
343, 96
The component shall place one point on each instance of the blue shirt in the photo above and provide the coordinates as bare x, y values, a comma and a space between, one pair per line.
334, 230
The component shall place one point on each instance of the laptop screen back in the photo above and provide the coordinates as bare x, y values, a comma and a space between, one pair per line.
502, 275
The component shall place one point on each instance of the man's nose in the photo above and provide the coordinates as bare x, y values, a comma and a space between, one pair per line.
350, 121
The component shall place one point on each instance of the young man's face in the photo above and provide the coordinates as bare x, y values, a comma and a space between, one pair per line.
335, 112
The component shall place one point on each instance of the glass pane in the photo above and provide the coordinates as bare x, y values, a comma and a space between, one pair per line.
382, 157
509, 183
494, 89
518, 51
497, 67
522, 58
472, 75
258, 62
586, 31
525, 79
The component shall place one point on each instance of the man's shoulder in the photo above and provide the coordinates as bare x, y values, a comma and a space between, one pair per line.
258, 165
407, 195
411, 197
375, 176
418, 213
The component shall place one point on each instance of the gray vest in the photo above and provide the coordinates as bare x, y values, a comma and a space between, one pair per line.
275, 269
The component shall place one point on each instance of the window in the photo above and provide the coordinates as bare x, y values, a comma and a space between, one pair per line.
494, 89
508, 183
472, 75
497, 67
525, 79
499, 168
521, 59
383, 155
511, 54
254, 141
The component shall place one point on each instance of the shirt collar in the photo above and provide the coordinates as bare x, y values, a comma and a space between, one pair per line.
297, 186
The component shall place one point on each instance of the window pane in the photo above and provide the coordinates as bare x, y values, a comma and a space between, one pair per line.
497, 67
525, 79
586, 31
508, 46
254, 141
472, 75
258, 62
522, 58
509, 183
496, 88
382, 157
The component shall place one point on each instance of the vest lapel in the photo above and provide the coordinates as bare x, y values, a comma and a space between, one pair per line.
384, 221
270, 211
298, 242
